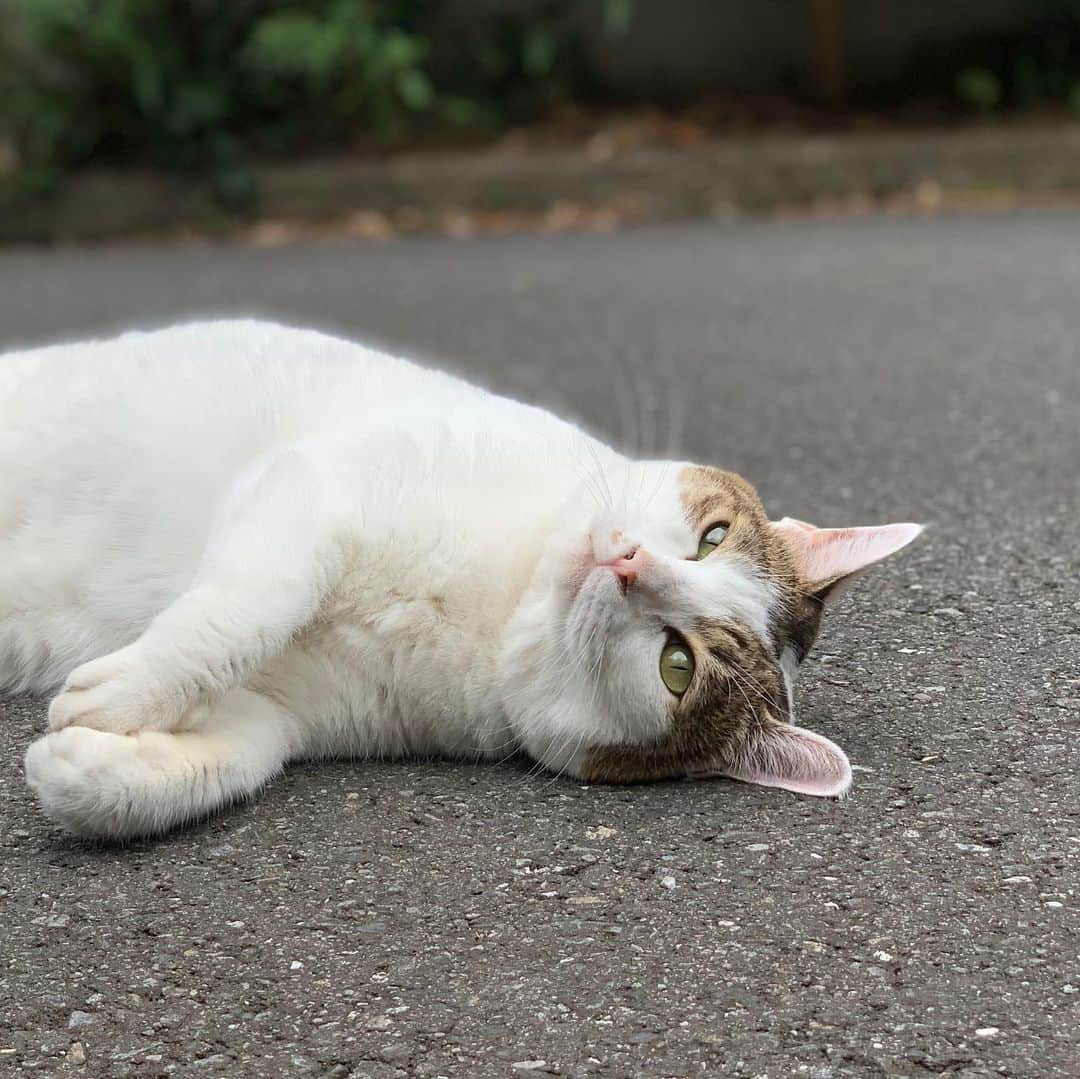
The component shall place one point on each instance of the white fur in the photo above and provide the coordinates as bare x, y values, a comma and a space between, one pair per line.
255, 543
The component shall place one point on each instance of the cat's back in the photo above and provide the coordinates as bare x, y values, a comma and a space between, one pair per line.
246, 373
186, 405
149, 429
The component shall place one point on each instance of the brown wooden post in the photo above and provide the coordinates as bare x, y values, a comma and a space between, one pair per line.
828, 65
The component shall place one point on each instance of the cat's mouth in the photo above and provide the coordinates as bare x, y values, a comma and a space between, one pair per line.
616, 558
594, 611
594, 580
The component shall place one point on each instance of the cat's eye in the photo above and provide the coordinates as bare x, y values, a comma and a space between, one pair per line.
677, 665
711, 540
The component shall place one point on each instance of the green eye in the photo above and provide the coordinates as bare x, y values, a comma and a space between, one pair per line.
676, 666
711, 540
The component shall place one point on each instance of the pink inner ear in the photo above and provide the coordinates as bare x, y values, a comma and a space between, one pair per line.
827, 554
794, 759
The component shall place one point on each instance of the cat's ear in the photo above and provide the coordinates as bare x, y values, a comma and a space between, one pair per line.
793, 759
830, 558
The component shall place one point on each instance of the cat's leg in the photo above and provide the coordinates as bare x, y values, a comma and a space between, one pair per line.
113, 786
272, 557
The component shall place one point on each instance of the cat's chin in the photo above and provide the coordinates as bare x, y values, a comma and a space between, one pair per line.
569, 676
561, 721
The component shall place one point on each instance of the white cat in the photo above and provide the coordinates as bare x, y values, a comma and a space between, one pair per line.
244, 544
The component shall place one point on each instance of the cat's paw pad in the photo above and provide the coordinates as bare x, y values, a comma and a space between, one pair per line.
116, 693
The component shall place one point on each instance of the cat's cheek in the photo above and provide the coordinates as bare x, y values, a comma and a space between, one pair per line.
570, 761
578, 564
565, 566
632, 764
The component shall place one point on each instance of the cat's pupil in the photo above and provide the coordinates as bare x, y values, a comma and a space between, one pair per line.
676, 667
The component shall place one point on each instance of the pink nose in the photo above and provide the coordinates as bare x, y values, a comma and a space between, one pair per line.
627, 567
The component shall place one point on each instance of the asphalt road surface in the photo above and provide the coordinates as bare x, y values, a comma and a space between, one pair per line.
441, 919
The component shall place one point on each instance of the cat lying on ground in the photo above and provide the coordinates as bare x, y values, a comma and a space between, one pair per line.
235, 544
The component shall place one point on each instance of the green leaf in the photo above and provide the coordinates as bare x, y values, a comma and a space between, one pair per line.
617, 15
147, 80
293, 44
537, 51
415, 90
401, 50
44, 20
979, 87
196, 106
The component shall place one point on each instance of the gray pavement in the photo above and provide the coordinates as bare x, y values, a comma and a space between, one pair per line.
440, 919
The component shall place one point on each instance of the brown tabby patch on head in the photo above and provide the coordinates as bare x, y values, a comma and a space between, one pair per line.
713, 496
738, 687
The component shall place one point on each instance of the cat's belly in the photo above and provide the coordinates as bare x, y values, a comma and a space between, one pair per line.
401, 658
405, 683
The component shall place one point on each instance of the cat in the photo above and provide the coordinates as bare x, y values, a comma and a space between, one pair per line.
233, 544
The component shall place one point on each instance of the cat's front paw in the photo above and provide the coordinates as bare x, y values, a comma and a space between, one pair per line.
117, 693
91, 782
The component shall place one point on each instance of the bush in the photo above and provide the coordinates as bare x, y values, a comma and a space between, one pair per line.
1040, 66
195, 84
201, 85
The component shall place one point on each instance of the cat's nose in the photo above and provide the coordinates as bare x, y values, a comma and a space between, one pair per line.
627, 567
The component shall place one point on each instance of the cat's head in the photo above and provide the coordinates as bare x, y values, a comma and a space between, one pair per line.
664, 629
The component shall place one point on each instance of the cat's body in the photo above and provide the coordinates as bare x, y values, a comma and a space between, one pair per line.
286, 545
127, 451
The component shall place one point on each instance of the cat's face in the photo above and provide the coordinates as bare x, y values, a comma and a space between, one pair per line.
664, 629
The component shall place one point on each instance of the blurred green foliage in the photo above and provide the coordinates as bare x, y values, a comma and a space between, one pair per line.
195, 84
1037, 67
205, 84
209, 85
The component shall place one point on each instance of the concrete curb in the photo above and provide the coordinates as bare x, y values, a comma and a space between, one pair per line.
420, 191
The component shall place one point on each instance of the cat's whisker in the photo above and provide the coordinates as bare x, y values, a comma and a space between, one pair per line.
732, 670
662, 478
511, 741
561, 771
590, 483
601, 473
738, 685
628, 436
596, 674
632, 377
754, 685
539, 764
676, 411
